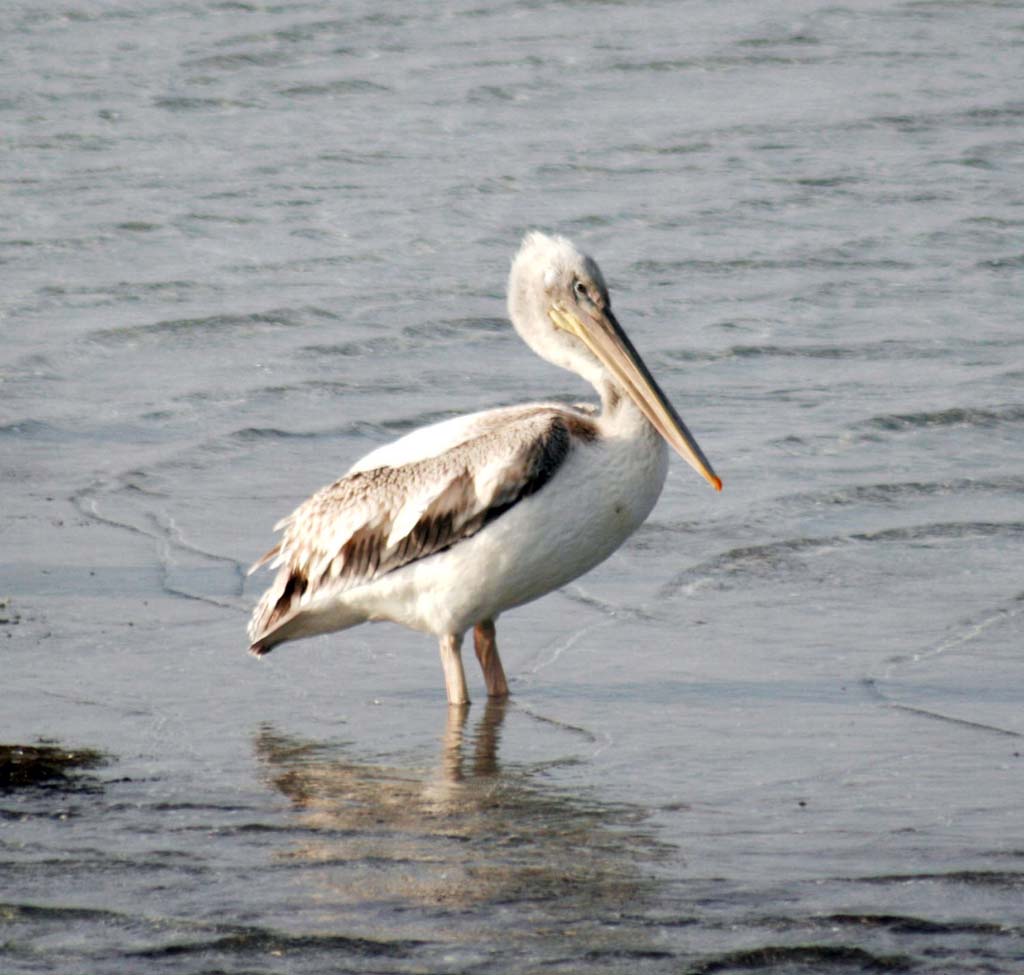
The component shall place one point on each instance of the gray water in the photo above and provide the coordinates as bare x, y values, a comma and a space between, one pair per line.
242, 243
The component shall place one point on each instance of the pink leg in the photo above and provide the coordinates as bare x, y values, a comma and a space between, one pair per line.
486, 647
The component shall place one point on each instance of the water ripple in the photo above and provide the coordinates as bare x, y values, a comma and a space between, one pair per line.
790, 556
956, 416
191, 328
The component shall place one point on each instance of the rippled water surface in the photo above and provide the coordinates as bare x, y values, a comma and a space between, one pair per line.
780, 731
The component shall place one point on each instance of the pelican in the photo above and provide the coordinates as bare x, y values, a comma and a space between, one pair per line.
456, 522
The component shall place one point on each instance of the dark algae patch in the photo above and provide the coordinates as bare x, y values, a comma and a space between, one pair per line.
24, 766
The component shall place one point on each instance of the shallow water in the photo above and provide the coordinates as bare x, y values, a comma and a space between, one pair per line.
781, 730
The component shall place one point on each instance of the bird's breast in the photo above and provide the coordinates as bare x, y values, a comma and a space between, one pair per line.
598, 498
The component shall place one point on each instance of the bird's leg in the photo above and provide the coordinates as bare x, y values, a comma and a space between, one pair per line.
486, 647
454, 676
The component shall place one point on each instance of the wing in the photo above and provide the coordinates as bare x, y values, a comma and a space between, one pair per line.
371, 522
438, 438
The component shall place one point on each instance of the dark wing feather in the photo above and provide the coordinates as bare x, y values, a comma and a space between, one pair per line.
373, 522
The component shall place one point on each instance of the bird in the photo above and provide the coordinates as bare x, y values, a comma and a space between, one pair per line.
454, 523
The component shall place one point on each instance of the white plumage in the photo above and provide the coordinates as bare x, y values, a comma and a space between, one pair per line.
456, 522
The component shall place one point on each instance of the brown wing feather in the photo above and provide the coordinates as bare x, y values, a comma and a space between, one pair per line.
373, 522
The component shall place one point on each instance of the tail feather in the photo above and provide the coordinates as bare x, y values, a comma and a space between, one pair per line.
286, 613
264, 559
279, 601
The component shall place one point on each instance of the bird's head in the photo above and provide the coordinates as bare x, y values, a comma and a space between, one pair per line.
559, 304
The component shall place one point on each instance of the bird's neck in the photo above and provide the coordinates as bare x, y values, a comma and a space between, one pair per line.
619, 414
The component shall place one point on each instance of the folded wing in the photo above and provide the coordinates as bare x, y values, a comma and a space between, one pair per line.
375, 521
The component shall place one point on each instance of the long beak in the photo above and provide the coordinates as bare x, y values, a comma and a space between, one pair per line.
603, 335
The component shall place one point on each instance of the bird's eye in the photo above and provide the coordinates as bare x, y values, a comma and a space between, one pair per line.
580, 290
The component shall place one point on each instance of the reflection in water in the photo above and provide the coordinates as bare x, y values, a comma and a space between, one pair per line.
485, 744
474, 864
469, 838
